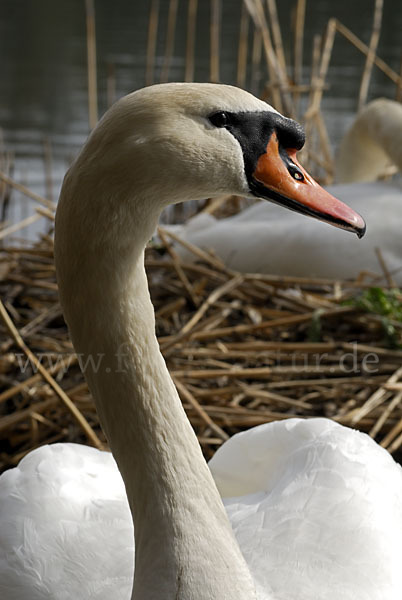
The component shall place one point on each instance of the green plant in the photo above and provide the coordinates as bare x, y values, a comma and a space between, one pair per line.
387, 304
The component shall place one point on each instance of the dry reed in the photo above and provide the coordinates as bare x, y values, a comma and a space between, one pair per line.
91, 58
170, 38
214, 71
243, 349
190, 41
152, 40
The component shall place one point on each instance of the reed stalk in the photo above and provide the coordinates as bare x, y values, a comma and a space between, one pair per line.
170, 39
278, 83
243, 48
78, 416
256, 55
382, 65
276, 34
215, 40
375, 399
190, 41
91, 61
368, 68
385, 415
6, 231
298, 50
325, 146
307, 151
26, 191
151, 43
323, 69
260, 23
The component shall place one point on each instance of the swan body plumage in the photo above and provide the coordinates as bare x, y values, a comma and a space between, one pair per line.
267, 237
322, 503
65, 527
315, 507
268, 240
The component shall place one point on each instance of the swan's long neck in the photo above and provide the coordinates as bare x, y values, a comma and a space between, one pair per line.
372, 143
185, 548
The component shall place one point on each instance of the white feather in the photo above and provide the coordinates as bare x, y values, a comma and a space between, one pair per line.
315, 507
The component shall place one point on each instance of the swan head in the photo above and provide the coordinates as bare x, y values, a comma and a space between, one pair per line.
173, 142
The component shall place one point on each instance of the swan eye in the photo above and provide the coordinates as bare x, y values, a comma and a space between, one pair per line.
296, 173
219, 119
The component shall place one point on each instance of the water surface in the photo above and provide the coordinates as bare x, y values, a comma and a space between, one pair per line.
43, 87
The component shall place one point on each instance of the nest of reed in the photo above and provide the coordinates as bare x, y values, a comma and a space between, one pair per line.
243, 349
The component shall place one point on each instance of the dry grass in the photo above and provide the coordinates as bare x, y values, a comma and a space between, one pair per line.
243, 349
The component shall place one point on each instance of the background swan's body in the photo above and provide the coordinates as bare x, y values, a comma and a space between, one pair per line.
156, 146
267, 237
268, 240
322, 504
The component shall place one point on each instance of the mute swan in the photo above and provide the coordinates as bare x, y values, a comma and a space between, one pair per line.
373, 141
316, 507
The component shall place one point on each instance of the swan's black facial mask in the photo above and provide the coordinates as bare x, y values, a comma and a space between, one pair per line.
269, 143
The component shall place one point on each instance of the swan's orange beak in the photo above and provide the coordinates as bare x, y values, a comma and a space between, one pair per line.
280, 172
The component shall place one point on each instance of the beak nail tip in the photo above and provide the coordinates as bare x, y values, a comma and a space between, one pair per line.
361, 232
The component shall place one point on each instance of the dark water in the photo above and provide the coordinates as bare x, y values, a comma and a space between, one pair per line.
43, 82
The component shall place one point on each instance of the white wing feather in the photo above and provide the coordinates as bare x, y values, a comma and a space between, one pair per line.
316, 508
65, 527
